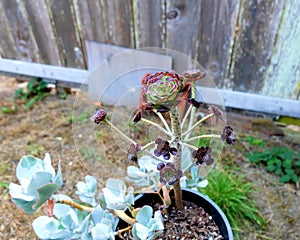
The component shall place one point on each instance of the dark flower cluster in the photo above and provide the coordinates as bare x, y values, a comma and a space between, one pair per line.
168, 173
99, 116
163, 149
203, 155
132, 152
228, 135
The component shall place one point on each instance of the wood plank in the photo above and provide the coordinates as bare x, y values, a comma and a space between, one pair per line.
22, 36
257, 28
218, 21
66, 33
183, 21
119, 21
149, 23
283, 74
43, 32
90, 20
73, 76
251, 102
7, 46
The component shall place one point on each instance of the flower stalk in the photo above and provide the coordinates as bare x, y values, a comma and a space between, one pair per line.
176, 130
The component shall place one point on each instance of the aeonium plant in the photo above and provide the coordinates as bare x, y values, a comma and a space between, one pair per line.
167, 162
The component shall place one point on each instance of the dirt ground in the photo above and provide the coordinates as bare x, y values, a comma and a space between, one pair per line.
47, 127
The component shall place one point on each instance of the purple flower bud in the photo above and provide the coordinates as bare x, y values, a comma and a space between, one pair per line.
203, 155
99, 116
132, 152
137, 117
160, 166
228, 135
163, 149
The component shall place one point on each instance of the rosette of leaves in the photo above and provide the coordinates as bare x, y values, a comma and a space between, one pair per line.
160, 91
38, 181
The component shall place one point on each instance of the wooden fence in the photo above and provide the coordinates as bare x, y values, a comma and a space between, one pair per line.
246, 45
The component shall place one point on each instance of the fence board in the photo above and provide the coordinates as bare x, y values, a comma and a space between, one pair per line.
257, 28
119, 20
70, 76
283, 74
183, 21
64, 24
90, 20
149, 23
43, 32
218, 21
7, 49
22, 36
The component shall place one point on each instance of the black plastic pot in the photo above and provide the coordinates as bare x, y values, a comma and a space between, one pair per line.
193, 196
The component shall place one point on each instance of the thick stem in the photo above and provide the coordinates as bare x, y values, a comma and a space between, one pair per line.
176, 130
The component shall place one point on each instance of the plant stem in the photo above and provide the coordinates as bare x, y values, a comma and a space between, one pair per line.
75, 205
203, 136
147, 145
176, 132
122, 230
157, 125
197, 124
193, 110
121, 214
188, 145
186, 116
119, 131
163, 121
131, 140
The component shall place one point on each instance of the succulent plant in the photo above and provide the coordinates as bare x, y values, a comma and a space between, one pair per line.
161, 164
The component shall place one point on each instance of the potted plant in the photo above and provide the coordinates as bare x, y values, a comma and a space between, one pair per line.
163, 166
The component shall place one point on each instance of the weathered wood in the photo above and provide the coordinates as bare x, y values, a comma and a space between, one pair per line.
183, 21
118, 18
216, 38
283, 74
7, 46
91, 22
21, 32
73, 76
257, 28
252, 102
67, 36
149, 23
41, 26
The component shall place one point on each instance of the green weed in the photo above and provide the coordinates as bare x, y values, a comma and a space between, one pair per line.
3, 185
35, 150
282, 161
36, 90
232, 193
82, 118
253, 141
8, 110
